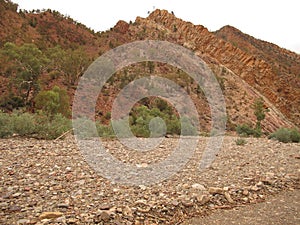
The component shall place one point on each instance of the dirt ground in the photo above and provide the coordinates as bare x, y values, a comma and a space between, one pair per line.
283, 208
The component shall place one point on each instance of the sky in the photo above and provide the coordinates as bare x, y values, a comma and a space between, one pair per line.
275, 21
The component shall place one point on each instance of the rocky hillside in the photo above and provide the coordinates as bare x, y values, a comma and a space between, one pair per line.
45, 28
246, 68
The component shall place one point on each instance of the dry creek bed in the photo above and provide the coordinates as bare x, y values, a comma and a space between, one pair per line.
49, 182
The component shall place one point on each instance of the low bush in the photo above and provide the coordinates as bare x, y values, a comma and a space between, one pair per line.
244, 130
84, 128
286, 135
51, 128
105, 131
33, 125
23, 124
240, 141
6, 128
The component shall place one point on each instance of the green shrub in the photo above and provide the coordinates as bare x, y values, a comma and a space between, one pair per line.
295, 135
23, 124
105, 131
286, 135
51, 128
6, 128
173, 126
245, 130
33, 125
108, 116
187, 128
140, 131
157, 127
240, 141
85, 128
53, 102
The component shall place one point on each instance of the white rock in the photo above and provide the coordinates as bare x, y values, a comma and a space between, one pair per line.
198, 187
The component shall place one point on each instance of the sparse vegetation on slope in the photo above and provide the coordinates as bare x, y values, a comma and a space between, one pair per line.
286, 135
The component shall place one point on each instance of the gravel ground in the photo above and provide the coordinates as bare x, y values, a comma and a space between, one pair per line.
49, 182
283, 208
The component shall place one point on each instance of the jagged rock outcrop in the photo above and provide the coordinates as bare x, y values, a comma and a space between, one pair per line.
282, 91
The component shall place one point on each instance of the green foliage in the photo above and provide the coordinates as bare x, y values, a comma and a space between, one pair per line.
53, 102
286, 135
240, 141
23, 123
221, 82
105, 131
85, 128
260, 113
51, 128
295, 135
244, 130
11, 102
71, 64
47, 101
6, 128
149, 121
24, 65
33, 22
33, 125
108, 116
151, 66
173, 126
142, 118
9, 5
259, 110
175, 28
187, 128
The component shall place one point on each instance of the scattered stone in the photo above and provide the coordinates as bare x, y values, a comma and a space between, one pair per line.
72, 221
144, 210
80, 182
245, 192
254, 188
23, 221
198, 187
259, 184
127, 211
83, 197
63, 205
215, 190
4, 205
16, 195
143, 187
187, 202
203, 199
186, 186
228, 198
61, 219
50, 215
104, 216
175, 203
15, 208
245, 199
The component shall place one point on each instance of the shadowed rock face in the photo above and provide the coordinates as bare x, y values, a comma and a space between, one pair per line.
246, 67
